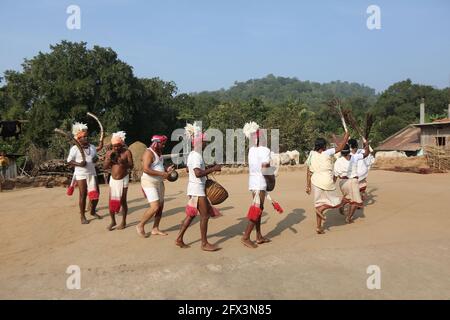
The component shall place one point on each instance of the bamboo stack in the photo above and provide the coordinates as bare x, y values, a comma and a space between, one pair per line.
438, 158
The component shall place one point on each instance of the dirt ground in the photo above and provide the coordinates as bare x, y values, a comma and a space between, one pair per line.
404, 229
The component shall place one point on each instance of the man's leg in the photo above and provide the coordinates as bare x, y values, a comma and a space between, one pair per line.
203, 208
94, 203
158, 215
186, 223
248, 230
124, 205
351, 212
82, 187
148, 214
319, 219
259, 237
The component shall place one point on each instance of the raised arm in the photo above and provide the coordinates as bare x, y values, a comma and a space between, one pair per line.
343, 143
366, 148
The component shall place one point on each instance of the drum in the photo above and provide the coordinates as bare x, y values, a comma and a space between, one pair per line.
215, 192
270, 182
173, 176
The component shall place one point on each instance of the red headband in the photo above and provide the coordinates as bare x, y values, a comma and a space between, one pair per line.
157, 138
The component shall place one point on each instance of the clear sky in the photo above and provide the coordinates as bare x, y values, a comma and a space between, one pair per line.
209, 44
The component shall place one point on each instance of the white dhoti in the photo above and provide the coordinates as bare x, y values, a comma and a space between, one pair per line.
153, 188
115, 193
327, 198
350, 191
91, 180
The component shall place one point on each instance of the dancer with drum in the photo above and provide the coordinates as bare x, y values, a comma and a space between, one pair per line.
196, 190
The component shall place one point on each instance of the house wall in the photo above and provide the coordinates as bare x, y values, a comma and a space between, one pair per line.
429, 134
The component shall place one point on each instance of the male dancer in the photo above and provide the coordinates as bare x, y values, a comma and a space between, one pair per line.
345, 168
259, 164
196, 190
320, 174
84, 173
120, 161
152, 182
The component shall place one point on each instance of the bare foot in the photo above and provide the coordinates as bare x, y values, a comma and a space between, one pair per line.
181, 244
262, 240
157, 232
209, 247
84, 220
348, 220
122, 226
141, 231
96, 216
248, 243
111, 226
320, 231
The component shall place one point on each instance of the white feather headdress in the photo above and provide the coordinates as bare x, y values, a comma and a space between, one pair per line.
119, 134
77, 127
249, 128
192, 129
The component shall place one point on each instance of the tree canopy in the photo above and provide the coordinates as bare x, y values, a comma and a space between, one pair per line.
56, 88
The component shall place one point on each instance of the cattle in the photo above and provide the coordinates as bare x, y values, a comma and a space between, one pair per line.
390, 154
294, 156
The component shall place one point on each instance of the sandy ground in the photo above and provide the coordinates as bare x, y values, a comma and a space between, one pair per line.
404, 230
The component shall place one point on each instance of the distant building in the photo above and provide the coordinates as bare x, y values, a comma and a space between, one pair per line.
414, 138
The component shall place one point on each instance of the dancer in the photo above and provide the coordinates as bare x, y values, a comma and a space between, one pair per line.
363, 166
120, 161
345, 168
152, 182
85, 175
319, 173
198, 202
259, 164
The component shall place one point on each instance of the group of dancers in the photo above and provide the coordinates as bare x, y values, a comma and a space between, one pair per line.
351, 168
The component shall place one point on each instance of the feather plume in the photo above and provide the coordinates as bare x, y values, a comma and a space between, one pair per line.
192, 129
249, 128
77, 127
119, 134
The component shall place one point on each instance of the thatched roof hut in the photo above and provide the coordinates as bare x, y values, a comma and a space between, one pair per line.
137, 150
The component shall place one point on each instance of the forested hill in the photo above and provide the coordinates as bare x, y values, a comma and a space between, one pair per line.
275, 90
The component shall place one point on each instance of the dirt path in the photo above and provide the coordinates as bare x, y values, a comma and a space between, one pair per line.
404, 230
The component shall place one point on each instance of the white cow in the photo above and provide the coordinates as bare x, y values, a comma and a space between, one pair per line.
294, 156
390, 154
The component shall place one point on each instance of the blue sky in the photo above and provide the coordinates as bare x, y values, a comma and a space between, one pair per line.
208, 44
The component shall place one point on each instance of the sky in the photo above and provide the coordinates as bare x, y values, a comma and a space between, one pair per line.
210, 44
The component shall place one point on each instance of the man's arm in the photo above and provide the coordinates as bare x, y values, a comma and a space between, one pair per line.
107, 164
366, 148
343, 143
72, 162
130, 160
203, 173
308, 180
